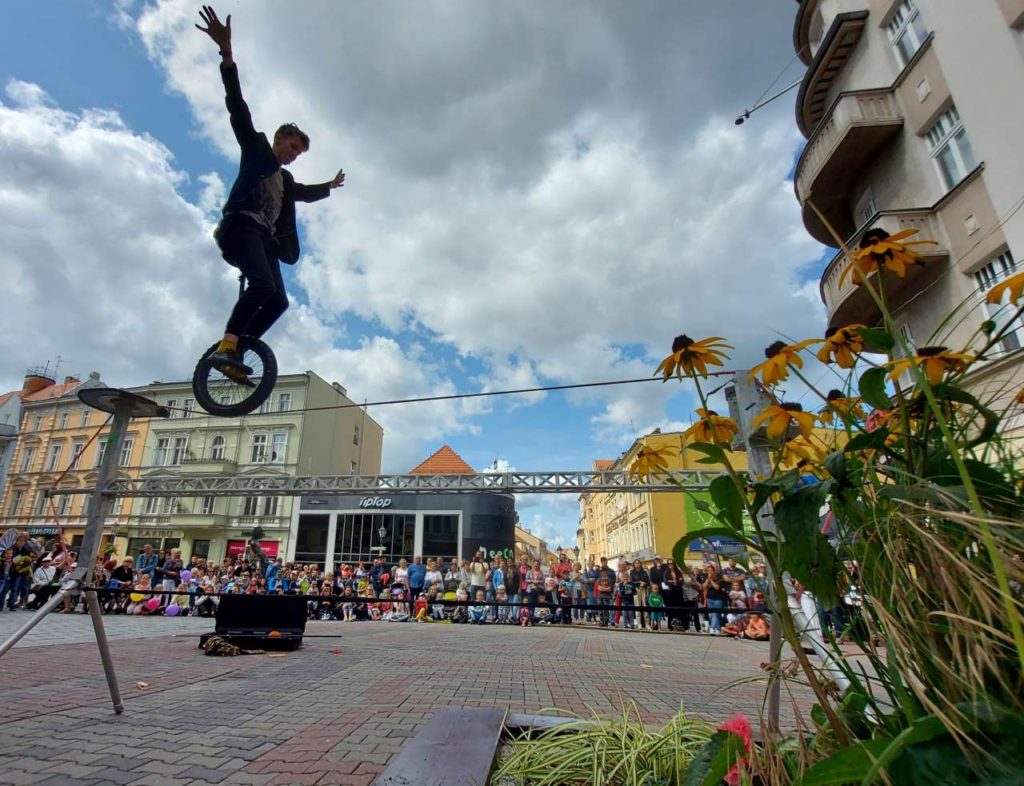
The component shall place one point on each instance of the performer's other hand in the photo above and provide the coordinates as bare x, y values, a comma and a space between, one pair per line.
339, 179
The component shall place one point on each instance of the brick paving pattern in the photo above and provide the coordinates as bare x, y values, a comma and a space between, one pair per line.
335, 711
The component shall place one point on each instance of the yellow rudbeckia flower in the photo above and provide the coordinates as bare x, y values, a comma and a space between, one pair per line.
649, 460
880, 249
849, 409
780, 357
842, 344
802, 451
779, 416
1014, 285
713, 428
936, 361
692, 357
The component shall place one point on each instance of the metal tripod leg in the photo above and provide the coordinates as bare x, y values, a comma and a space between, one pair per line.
36, 618
104, 647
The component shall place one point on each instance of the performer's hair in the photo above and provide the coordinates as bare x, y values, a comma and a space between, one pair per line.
290, 129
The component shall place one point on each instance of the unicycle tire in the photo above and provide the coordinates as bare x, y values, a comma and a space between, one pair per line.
220, 395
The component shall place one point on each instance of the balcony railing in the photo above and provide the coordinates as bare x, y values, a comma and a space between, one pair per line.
848, 303
856, 126
208, 466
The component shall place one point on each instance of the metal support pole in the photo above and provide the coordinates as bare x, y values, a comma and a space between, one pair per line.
100, 505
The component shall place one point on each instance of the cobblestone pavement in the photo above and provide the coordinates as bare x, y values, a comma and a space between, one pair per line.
335, 711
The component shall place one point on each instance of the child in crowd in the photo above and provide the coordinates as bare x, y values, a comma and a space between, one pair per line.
656, 601
139, 606
420, 609
385, 608
564, 612
505, 613
478, 611
181, 598
461, 594
525, 618
737, 600
757, 628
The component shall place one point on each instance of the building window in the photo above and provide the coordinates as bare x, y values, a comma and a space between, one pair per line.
62, 422
77, 446
101, 449
269, 506
53, 458
179, 450
868, 211
17, 497
37, 423
126, 452
28, 457
188, 405
284, 402
84, 420
160, 455
267, 406
152, 506
207, 505
906, 31
172, 405
259, 449
250, 506
1001, 267
951, 148
64, 505
355, 436
279, 447
217, 448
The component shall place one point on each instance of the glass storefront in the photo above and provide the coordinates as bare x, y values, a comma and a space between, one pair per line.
358, 537
311, 545
440, 536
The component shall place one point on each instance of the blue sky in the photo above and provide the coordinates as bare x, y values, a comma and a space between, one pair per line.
536, 195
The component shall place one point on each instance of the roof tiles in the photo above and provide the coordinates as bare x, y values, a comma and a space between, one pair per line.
444, 462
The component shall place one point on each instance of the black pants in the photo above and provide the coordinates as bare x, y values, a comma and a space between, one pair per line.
253, 251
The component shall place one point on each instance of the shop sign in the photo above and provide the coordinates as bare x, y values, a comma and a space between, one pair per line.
236, 547
156, 533
375, 502
42, 530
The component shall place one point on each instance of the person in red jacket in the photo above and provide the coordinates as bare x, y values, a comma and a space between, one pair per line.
257, 231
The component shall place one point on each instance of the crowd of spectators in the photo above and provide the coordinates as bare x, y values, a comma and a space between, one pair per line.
664, 596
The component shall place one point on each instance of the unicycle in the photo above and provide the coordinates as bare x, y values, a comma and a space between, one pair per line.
220, 395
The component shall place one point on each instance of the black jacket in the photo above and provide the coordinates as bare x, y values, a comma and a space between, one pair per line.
257, 163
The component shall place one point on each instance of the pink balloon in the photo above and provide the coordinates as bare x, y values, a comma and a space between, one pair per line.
153, 604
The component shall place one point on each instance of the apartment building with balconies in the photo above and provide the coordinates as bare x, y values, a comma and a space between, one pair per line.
912, 111
307, 427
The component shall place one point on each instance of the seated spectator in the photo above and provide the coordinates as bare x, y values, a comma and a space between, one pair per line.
756, 628
478, 611
505, 613
348, 605
142, 585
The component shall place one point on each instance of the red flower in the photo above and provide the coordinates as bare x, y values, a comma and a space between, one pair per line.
740, 726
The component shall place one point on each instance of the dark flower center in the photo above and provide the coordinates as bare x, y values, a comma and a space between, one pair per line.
873, 236
791, 406
681, 342
930, 352
774, 349
832, 331
834, 395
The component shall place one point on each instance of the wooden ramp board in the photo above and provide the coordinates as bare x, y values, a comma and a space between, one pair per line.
457, 747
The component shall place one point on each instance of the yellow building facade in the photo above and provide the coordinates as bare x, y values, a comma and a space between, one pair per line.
625, 526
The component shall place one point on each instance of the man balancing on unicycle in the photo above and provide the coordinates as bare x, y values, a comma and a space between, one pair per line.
257, 231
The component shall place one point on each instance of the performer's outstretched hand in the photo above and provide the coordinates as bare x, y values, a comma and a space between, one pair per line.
339, 179
220, 33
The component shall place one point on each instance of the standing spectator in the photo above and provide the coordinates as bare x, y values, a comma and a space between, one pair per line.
497, 577
514, 586
716, 593
626, 593
534, 585
641, 581
732, 572
563, 567
146, 563
690, 593
478, 570
590, 584
158, 570
579, 594
737, 600
7, 575
273, 569
672, 581
657, 574
655, 601
433, 575
417, 577
172, 575
604, 588
756, 581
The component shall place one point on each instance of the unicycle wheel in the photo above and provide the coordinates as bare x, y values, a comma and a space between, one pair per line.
221, 395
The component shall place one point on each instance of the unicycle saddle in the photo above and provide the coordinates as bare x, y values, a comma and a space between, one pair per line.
229, 392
